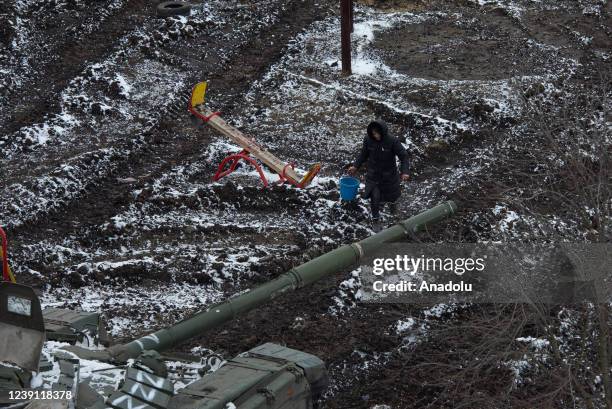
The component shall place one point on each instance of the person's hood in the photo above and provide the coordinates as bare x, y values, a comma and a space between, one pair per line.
381, 125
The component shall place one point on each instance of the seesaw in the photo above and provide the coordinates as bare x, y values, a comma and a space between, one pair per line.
251, 150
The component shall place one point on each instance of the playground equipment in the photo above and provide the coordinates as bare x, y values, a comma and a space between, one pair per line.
286, 171
269, 376
7, 274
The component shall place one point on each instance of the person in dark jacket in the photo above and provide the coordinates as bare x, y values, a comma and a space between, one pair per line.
378, 152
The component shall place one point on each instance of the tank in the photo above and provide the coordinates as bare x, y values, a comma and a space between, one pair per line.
269, 376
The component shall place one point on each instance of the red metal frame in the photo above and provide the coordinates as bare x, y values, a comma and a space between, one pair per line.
208, 118
232, 160
5, 265
233, 163
284, 178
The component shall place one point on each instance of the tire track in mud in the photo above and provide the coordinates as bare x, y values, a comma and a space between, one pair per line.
37, 97
161, 152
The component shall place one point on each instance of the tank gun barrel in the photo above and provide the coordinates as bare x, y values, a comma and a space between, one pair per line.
298, 277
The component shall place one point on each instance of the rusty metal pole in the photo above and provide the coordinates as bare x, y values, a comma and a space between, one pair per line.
346, 7
352, 16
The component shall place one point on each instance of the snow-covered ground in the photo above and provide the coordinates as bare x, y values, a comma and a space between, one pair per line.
109, 200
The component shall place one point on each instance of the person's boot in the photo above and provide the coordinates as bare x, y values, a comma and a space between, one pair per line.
393, 208
376, 224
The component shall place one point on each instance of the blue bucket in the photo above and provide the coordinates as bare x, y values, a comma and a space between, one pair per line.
348, 188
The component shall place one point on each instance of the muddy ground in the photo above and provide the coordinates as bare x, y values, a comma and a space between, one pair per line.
108, 200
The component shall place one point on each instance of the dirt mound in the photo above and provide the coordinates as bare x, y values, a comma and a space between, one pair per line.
445, 50
396, 5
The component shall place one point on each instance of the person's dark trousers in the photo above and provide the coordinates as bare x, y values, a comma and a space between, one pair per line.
375, 202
